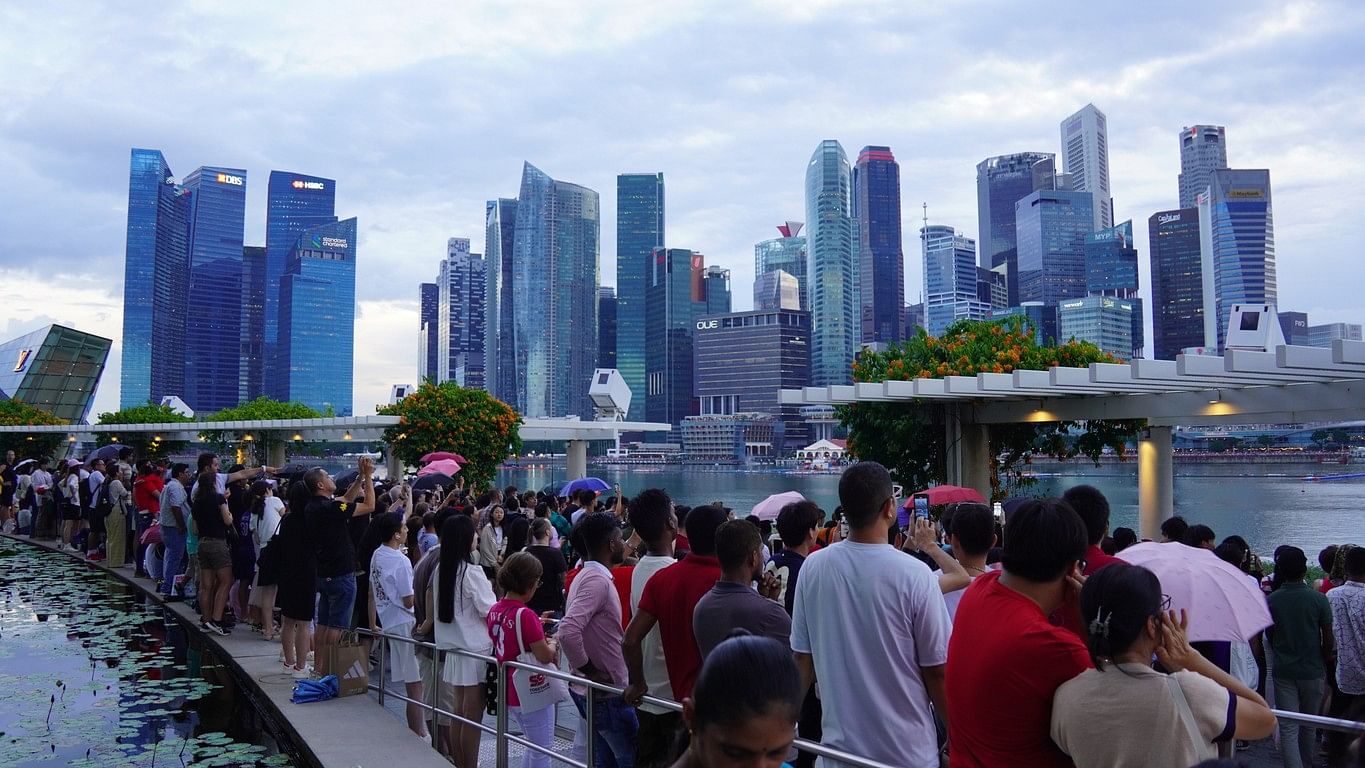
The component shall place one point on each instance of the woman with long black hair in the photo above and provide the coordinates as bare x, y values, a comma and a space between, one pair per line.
266, 518
213, 521
297, 581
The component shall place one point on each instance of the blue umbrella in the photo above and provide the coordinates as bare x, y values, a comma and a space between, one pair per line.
594, 484
306, 691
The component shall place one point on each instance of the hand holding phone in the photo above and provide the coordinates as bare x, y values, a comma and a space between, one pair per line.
922, 507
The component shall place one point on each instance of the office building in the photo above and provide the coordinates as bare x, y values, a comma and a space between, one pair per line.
295, 203
950, 282
881, 263
429, 332
254, 360
1237, 246
832, 266
787, 253
1051, 227
556, 269
1001, 182
991, 288
673, 302
716, 290
500, 356
739, 438
213, 319
155, 282
914, 319
54, 369
1177, 282
1111, 269
1039, 317
316, 350
639, 230
1294, 325
1085, 157
1104, 321
1203, 150
460, 315
776, 290
1323, 335
606, 327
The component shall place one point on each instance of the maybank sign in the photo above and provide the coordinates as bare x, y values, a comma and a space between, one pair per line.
301, 184
227, 178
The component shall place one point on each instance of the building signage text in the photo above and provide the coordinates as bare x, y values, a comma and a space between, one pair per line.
227, 178
301, 184
706, 325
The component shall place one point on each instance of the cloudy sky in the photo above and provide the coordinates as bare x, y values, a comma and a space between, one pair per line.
422, 114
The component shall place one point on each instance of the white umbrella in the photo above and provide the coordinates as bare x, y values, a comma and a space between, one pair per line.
769, 507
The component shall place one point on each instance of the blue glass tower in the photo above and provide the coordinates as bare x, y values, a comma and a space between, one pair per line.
213, 327
316, 348
1177, 282
606, 327
1111, 271
1050, 231
788, 254
881, 263
254, 360
950, 279
460, 315
1000, 183
832, 266
295, 203
673, 303
500, 230
428, 340
639, 230
1237, 234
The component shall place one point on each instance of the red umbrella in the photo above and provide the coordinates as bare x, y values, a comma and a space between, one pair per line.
151, 536
945, 494
443, 455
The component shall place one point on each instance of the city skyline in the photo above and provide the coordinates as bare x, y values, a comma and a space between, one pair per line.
731, 177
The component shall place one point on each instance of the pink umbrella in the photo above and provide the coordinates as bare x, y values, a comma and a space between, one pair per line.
440, 466
443, 455
945, 494
769, 507
151, 536
1224, 604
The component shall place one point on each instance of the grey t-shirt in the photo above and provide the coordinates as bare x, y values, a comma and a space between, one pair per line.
730, 606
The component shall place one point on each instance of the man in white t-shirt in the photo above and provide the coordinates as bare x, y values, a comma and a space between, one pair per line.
870, 627
651, 515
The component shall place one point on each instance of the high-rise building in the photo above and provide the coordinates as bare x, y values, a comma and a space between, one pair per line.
460, 316
1111, 269
429, 332
1085, 156
1203, 150
155, 282
556, 270
1104, 321
639, 230
606, 327
950, 285
316, 349
1237, 246
55, 369
991, 288
213, 325
914, 318
254, 360
1051, 227
1001, 182
776, 290
881, 263
716, 290
1040, 318
787, 253
295, 203
1323, 335
1293, 324
1177, 282
832, 266
500, 356
673, 303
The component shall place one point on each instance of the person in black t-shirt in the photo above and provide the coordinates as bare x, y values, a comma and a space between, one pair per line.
549, 596
328, 522
212, 520
797, 524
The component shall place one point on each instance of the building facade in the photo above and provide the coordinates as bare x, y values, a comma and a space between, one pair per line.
950, 278
1177, 282
881, 262
991, 288
673, 302
1323, 335
316, 350
429, 332
716, 290
460, 316
213, 322
54, 369
1104, 321
738, 438
254, 360
1294, 325
1041, 319
776, 290
1001, 182
606, 327
786, 253
639, 230
1203, 150
832, 266
1111, 269
500, 358
1237, 246
295, 203
1051, 227
1085, 157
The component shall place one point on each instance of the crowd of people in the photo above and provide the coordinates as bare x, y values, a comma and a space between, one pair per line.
972, 639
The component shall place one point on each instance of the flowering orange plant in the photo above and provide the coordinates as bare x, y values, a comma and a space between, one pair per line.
448, 417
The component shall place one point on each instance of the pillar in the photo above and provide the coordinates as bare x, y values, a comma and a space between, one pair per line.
275, 453
576, 459
1156, 482
393, 467
968, 452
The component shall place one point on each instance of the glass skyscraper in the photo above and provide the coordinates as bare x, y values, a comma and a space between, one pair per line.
832, 266
1085, 156
254, 359
786, 253
1104, 321
1050, 231
606, 327
673, 303
428, 338
295, 202
316, 347
1237, 246
460, 316
776, 290
1203, 150
881, 263
1111, 269
500, 359
213, 327
1001, 182
950, 280
744, 360
556, 270
55, 369
639, 230
716, 290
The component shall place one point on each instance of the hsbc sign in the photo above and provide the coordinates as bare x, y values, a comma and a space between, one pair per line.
301, 184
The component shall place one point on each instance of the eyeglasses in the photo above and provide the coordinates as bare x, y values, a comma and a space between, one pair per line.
1165, 602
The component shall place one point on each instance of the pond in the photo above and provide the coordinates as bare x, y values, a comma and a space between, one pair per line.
94, 673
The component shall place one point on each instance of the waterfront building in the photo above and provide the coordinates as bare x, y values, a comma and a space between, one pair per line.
460, 315
1237, 246
1051, 227
428, 336
1105, 321
1323, 335
1177, 282
673, 302
54, 369
776, 290
500, 358
950, 280
606, 327
1040, 317
295, 203
736, 438
715, 290
1085, 157
1001, 182
639, 230
881, 263
213, 318
832, 266
743, 360
253, 352
786, 253
556, 268
1203, 150
316, 350
155, 282
1294, 326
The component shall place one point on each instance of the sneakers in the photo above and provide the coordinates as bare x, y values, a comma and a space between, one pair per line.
301, 674
210, 626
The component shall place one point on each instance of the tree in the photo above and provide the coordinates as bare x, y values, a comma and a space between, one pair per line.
147, 446
1319, 437
909, 437
260, 409
448, 417
1265, 441
16, 413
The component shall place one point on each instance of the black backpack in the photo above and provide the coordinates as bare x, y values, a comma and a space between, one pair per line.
103, 504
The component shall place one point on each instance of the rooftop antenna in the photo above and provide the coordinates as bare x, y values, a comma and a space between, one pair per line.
925, 206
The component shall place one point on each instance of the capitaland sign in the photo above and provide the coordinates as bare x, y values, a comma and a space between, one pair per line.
227, 178
1168, 218
706, 325
301, 184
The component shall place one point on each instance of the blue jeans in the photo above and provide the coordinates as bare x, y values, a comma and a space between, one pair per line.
614, 729
336, 600
174, 541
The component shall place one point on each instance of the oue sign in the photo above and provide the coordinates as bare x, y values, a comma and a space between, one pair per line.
706, 325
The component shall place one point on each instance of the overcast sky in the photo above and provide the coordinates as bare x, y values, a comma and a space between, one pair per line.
422, 112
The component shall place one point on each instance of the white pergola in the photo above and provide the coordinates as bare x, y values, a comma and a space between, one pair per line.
1291, 384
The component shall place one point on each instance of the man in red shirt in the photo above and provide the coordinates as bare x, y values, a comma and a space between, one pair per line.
1005, 650
1093, 508
147, 505
668, 600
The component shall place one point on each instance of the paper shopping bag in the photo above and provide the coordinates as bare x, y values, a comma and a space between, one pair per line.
350, 664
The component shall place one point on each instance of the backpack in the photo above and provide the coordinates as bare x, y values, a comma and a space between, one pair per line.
103, 504
83, 492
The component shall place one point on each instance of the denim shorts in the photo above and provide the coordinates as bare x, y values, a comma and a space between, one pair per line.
336, 600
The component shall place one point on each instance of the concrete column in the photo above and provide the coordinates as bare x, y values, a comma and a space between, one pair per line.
275, 453
1156, 480
576, 459
968, 452
393, 468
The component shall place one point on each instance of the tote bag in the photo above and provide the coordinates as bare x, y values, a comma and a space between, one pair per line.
535, 690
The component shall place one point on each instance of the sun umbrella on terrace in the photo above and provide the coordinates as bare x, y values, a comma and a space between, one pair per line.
1224, 604
440, 466
769, 507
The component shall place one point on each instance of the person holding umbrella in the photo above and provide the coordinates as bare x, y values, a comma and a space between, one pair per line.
8, 484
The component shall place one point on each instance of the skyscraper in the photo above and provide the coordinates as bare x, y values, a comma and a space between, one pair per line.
881, 263
1051, 227
1111, 270
745, 359
1237, 246
950, 280
556, 267
460, 316
500, 359
776, 290
716, 290
1177, 282
606, 327
787, 253
832, 266
155, 282
1203, 150
1104, 321
1085, 156
316, 349
639, 230
295, 203
213, 327
673, 303
428, 334
254, 361
1001, 182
